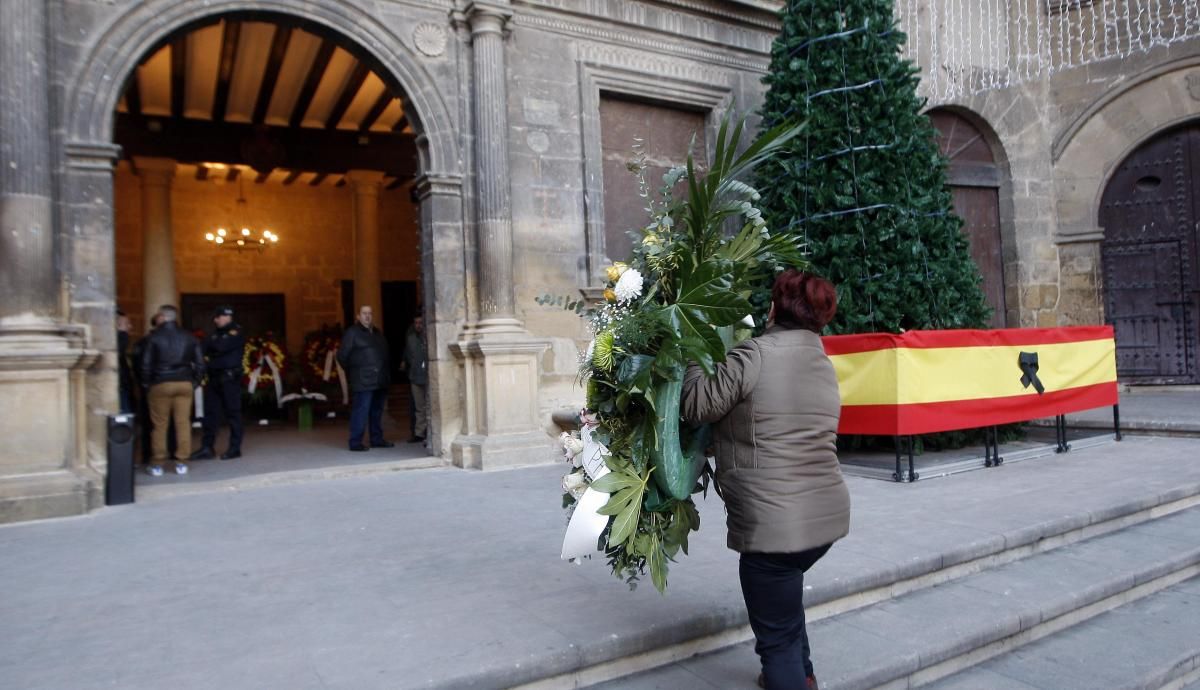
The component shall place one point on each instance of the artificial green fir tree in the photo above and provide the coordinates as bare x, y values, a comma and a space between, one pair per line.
865, 184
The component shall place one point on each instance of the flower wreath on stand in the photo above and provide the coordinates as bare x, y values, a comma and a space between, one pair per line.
321, 371
264, 362
678, 299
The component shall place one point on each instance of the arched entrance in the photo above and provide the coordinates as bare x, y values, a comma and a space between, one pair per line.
975, 181
92, 96
317, 146
1150, 213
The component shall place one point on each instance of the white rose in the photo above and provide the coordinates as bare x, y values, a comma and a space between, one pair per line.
572, 446
629, 286
575, 484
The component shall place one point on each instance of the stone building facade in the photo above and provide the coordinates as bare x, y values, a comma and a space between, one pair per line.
516, 109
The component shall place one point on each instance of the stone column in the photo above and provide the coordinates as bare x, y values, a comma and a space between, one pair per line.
366, 185
29, 277
501, 416
492, 184
158, 242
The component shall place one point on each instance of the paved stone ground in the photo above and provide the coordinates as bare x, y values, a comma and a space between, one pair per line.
440, 577
1171, 409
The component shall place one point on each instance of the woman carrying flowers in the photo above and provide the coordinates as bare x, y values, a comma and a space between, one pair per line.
774, 406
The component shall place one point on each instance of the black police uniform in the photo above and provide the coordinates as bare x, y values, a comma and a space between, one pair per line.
224, 349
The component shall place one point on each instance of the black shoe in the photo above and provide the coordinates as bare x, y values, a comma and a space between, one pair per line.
383, 444
359, 448
417, 439
231, 454
204, 453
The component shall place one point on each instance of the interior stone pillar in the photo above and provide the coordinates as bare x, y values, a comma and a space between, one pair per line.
43, 467
29, 277
158, 241
366, 185
501, 360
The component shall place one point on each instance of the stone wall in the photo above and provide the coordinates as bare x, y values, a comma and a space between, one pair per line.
315, 254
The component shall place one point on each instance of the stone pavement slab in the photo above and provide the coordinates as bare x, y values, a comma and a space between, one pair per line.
446, 578
1138, 645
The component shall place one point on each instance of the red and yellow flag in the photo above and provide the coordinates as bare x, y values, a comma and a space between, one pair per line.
922, 382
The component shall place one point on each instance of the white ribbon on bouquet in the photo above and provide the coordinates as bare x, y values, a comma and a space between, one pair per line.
254, 376
586, 525
330, 363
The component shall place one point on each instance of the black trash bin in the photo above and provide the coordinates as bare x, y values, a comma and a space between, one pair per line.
118, 488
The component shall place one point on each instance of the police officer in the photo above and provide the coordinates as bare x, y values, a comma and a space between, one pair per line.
223, 349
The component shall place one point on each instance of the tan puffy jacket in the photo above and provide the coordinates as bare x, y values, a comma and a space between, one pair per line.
774, 404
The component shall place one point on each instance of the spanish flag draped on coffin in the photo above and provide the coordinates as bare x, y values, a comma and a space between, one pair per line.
923, 382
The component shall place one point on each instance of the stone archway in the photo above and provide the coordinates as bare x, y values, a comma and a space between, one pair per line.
1151, 238
1088, 157
86, 184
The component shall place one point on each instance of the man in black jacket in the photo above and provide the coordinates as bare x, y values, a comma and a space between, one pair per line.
364, 355
171, 367
223, 349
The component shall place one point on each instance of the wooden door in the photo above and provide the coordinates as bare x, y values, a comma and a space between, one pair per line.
1149, 256
974, 181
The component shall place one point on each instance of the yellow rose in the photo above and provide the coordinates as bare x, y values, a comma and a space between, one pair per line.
614, 272
610, 295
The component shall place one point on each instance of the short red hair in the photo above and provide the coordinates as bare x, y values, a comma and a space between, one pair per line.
803, 300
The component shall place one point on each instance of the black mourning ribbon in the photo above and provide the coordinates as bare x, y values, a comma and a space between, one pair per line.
1028, 361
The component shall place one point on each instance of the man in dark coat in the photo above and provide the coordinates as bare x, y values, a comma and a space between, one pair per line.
170, 368
416, 365
364, 355
124, 373
223, 350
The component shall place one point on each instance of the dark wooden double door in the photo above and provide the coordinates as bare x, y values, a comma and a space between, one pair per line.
1149, 213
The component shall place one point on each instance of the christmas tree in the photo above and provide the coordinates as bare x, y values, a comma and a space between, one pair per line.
865, 184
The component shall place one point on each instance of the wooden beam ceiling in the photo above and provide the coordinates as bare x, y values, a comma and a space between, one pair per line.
178, 75
311, 82
316, 181
229, 50
319, 151
385, 99
292, 176
349, 91
279, 46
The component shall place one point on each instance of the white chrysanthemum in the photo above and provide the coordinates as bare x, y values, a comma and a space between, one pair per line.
629, 287
591, 351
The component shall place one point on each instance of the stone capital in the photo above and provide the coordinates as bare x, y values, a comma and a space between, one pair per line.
154, 170
365, 181
437, 185
488, 17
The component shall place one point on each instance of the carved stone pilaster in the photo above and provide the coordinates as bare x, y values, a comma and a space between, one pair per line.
29, 277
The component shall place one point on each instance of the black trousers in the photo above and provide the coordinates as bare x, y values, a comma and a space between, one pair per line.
223, 401
773, 586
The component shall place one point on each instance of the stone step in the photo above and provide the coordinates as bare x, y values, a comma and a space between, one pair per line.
1148, 644
930, 633
1073, 508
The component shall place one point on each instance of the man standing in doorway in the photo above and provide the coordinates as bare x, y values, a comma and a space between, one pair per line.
171, 367
415, 364
224, 349
364, 355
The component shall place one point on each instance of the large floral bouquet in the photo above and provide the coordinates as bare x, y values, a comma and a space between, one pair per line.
678, 299
264, 362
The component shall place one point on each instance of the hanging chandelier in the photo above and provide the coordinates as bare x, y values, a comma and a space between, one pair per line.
240, 235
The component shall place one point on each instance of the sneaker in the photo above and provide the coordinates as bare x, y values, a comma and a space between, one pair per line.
154, 470
180, 468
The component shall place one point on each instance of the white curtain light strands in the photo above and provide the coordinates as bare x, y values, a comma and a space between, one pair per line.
967, 46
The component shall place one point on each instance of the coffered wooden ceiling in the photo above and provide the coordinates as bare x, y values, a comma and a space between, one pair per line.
266, 96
